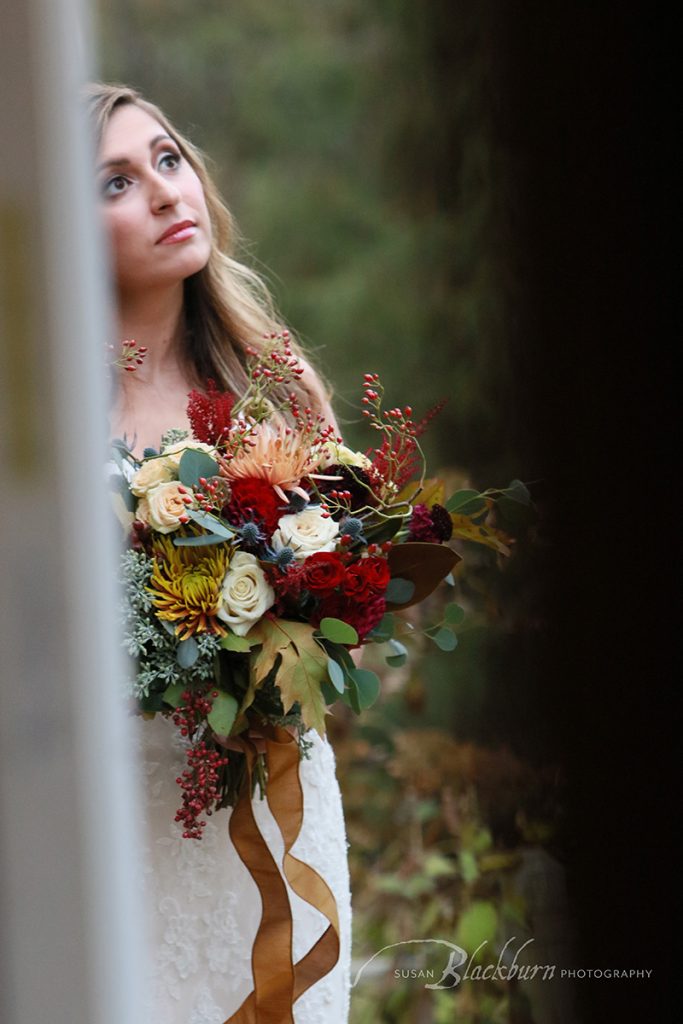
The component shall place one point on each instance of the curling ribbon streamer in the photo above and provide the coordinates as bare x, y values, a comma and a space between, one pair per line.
278, 982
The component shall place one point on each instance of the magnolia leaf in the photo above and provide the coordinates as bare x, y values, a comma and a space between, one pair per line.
338, 632
222, 714
399, 590
194, 464
232, 642
424, 564
465, 529
336, 674
466, 502
173, 694
187, 652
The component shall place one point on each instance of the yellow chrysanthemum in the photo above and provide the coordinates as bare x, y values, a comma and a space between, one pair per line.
186, 586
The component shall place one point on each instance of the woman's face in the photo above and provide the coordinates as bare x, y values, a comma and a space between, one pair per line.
153, 203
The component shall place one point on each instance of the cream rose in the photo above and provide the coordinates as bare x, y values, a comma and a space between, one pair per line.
338, 454
174, 453
163, 506
151, 473
306, 532
245, 594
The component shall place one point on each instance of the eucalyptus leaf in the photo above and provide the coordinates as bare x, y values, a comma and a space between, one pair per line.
232, 642
173, 694
338, 631
399, 590
195, 464
445, 639
351, 695
199, 542
466, 502
187, 652
384, 630
518, 491
211, 523
336, 674
368, 686
222, 714
454, 614
396, 660
329, 692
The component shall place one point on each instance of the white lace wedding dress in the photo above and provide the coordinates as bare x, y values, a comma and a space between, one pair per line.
202, 905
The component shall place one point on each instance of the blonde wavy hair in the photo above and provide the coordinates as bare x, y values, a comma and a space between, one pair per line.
227, 306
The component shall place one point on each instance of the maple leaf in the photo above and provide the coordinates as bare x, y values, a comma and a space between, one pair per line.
465, 529
302, 668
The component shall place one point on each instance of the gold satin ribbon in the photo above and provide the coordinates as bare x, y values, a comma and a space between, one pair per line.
278, 982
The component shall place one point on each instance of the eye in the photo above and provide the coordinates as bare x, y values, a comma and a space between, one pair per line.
175, 159
115, 186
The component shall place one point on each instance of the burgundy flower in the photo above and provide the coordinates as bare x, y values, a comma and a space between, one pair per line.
431, 525
255, 501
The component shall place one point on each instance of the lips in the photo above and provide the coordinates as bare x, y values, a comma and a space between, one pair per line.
180, 228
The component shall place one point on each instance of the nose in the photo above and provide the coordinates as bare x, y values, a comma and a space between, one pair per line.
163, 193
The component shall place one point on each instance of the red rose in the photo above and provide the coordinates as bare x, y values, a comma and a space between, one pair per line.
367, 576
323, 572
254, 500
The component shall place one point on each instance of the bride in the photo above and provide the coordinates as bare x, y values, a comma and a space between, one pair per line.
182, 294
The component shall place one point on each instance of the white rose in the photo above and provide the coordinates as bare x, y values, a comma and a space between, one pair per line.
174, 453
245, 594
163, 506
338, 454
151, 473
306, 532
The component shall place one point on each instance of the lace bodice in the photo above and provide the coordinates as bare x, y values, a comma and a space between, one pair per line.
203, 907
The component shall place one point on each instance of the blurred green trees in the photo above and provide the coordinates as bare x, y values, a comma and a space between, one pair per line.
357, 144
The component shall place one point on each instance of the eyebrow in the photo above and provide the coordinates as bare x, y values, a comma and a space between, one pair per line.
123, 161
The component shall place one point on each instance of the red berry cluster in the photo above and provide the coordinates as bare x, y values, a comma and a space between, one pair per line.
199, 780
278, 363
132, 355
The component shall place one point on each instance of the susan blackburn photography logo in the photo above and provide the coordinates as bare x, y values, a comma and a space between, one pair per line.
507, 966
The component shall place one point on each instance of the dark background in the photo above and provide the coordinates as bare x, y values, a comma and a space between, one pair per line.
588, 100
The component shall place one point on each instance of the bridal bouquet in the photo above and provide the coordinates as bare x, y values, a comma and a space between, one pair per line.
262, 551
